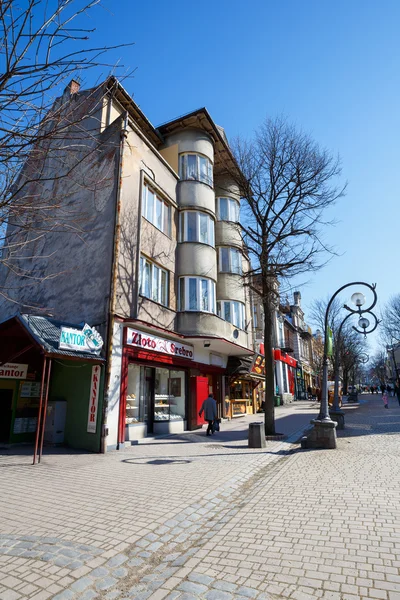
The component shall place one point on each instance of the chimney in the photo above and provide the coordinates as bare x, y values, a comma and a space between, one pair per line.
297, 298
73, 87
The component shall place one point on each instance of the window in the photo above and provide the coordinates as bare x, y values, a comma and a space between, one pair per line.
197, 294
230, 261
255, 317
153, 281
196, 227
228, 209
232, 311
156, 210
196, 167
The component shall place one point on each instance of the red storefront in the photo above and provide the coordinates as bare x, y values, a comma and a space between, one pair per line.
162, 386
291, 364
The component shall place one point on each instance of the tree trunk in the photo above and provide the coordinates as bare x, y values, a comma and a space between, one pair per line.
345, 381
269, 415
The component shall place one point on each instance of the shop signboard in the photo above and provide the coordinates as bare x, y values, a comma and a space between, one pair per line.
13, 371
93, 399
258, 366
86, 339
145, 341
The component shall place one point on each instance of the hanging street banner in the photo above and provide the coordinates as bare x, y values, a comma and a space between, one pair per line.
87, 339
329, 334
93, 399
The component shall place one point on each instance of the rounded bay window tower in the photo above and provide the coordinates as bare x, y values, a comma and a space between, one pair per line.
231, 299
196, 254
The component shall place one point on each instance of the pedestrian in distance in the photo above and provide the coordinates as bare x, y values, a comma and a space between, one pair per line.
397, 390
209, 408
385, 398
383, 388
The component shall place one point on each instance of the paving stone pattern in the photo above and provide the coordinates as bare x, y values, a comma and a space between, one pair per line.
189, 517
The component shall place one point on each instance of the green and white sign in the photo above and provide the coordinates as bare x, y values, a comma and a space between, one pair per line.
87, 339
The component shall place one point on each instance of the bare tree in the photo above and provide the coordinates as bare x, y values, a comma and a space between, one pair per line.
44, 137
391, 320
287, 183
377, 366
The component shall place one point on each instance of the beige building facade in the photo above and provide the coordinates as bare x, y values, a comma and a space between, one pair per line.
158, 268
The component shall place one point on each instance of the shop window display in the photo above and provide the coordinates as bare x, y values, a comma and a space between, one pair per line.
164, 387
169, 395
134, 399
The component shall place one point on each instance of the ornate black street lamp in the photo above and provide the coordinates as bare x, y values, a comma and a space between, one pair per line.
363, 323
323, 434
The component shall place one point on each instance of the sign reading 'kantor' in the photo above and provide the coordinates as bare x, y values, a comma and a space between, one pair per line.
81, 340
13, 371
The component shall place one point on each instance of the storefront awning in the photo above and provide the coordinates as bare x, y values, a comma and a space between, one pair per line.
241, 366
283, 357
44, 333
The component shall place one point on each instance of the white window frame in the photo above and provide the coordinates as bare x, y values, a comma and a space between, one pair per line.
241, 322
156, 272
231, 250
183, 168
153, 217
183, 227
233, 209
200, 281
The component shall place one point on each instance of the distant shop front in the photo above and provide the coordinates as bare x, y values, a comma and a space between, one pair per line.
286, 369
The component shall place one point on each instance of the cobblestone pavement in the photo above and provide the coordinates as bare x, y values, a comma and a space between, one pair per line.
191, 517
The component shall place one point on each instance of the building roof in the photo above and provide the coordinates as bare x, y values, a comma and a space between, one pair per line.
201, 119
46, 333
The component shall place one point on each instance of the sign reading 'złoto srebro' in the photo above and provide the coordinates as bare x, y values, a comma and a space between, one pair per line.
145, 341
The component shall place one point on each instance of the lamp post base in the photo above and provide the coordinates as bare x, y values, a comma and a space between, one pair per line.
338, 416
322, 435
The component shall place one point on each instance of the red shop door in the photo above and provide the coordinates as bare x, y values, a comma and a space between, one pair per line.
199, 392
291, 380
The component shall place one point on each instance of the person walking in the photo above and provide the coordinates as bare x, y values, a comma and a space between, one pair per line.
397, 390
385, 398
209, 407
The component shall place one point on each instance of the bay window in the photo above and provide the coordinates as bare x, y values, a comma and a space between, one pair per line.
196, 294
153, 281
230, 260
232, 311
196, 227
196, 167
156, 210
228, 209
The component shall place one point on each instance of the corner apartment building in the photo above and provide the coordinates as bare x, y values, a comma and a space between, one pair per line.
157, 268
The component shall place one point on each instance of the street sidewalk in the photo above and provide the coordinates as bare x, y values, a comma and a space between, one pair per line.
192, 517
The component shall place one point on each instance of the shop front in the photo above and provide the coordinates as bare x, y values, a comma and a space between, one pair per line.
285, 375
162, 386
244, 385
49, 394
301, 390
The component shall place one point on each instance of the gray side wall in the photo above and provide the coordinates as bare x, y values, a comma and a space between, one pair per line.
66, 269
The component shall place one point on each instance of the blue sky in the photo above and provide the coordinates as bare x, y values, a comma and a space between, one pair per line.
330, 67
